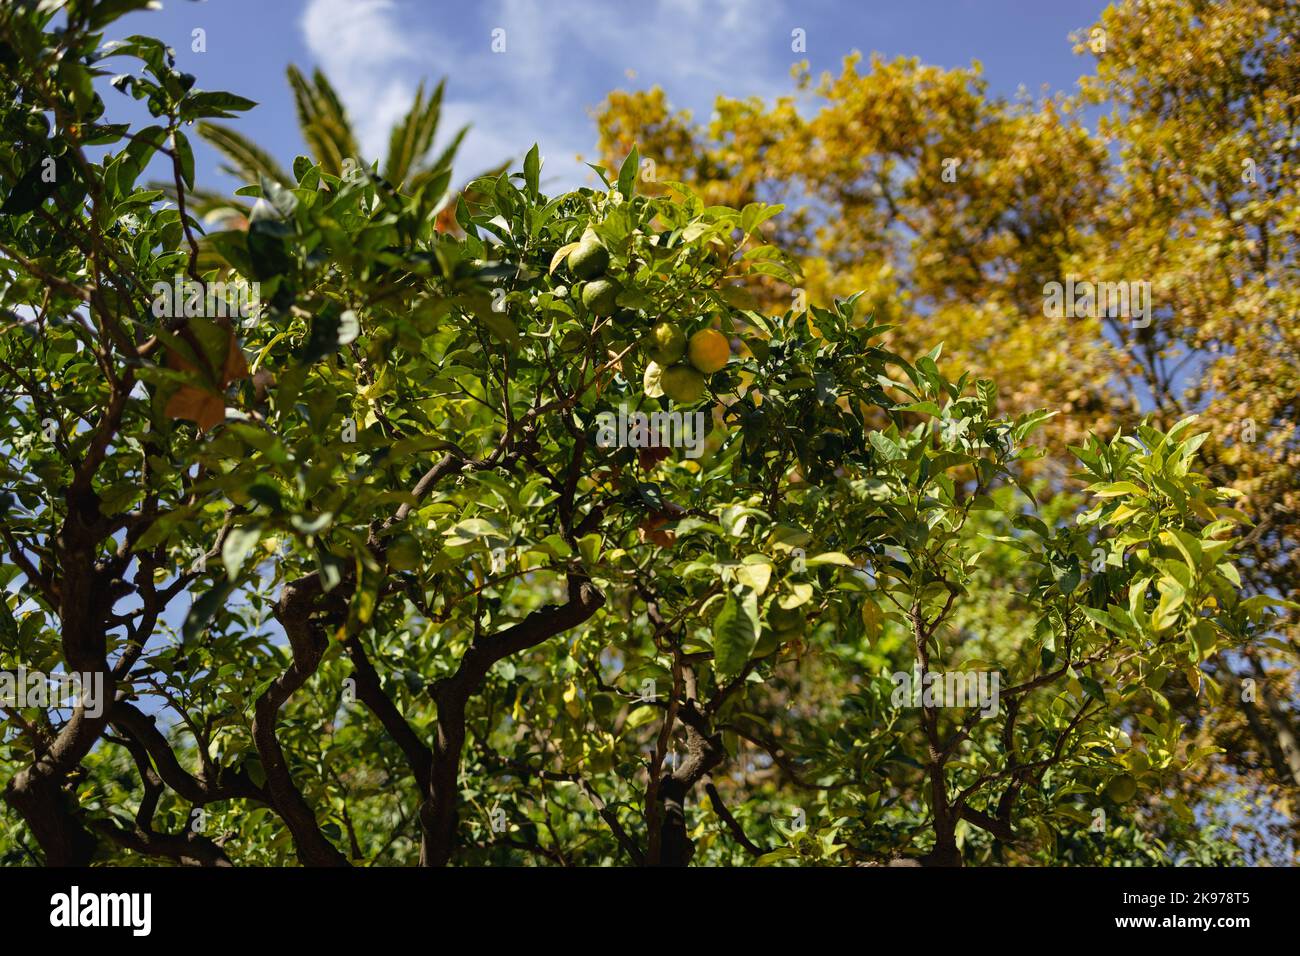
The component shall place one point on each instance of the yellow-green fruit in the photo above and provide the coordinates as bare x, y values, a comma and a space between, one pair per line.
589, 260
599, 296
709, 350
1122, 788
682, 383
768, 642
785, 619
782, 625
665, 343
403, 553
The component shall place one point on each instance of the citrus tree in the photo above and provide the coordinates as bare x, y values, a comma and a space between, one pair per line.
531, 540
952, 209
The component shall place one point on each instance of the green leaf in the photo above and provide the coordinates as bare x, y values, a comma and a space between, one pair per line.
1026, 423
627, 173
871, 618
922, 408
38, 184
735, 634
1028, 522
495, 322
470, 530
755, 576
755, 214
185, 155
314, 525
561, 254
532, 171
888, 449
329, 330
1172, 596
1260, 601
106, 11
799, 595
1066, 573
1092, 688
1103, 618
1115, 489
589, 548
831, 557
205, 608
8, 628
200, 103
1188, 546
235, 549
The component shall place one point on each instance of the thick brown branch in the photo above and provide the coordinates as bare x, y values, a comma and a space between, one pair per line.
307, 643
438, 812
732, 823
371, 693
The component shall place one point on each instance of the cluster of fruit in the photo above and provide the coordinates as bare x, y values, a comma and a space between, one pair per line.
705, 352
588, 263
681, 365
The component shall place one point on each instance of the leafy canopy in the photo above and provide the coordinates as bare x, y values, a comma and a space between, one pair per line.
363, 583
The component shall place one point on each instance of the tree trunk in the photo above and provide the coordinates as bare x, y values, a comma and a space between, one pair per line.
1288, 747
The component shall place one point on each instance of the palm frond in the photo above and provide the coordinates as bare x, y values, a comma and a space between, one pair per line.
205, 204
333, 111
249, 159
402, 141
413, 137
448, 155
323, 120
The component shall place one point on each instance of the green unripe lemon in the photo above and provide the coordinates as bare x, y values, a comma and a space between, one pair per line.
1122, 788
589, 260
599, 296
665, 343
768, 642
785, 619
403, 553
682, 383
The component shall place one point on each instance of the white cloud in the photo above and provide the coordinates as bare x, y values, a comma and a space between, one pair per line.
561, 57
360, 44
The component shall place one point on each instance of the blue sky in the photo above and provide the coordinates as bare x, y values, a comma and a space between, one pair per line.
562, 56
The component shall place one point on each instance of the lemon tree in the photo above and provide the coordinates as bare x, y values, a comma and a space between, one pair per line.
360, 581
